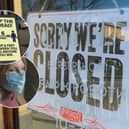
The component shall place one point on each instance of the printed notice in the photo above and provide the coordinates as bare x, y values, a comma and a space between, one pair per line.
9, 43
82, 60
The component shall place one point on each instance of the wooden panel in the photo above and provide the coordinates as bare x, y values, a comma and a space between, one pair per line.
10, 117
1, 119
3, 4
18, 7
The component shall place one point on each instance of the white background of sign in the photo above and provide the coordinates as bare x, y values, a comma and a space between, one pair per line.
51, 104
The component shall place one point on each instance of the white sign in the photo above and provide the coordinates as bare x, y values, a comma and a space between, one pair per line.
82, 59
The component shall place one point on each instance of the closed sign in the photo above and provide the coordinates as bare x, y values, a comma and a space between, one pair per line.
82, 59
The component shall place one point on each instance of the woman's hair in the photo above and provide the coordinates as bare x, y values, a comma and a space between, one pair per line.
25, 62
5, 93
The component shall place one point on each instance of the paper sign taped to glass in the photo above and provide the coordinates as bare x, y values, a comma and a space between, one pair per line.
9, 43
82, 59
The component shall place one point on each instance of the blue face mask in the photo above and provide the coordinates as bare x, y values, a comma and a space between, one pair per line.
15, 82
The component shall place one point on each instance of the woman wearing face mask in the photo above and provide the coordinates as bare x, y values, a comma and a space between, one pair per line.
12, 81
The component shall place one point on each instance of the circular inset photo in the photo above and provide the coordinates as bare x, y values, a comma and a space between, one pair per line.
19, 83
14, 37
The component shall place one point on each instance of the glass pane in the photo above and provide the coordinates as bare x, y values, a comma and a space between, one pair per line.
65, 5
30, 119
34, 120
31, 6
